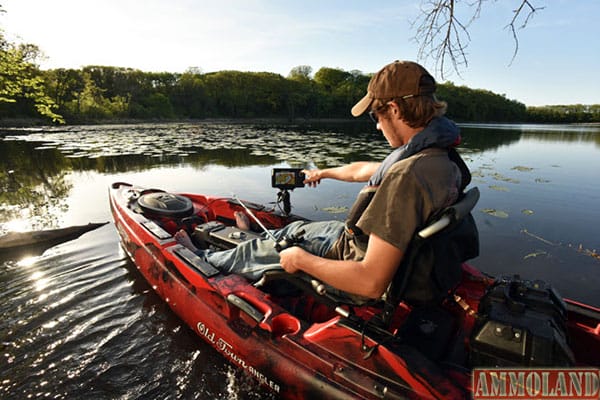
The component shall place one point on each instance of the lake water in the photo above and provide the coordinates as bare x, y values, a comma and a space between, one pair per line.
78, 321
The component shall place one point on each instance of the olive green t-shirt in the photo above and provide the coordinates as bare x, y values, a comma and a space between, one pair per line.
412, 191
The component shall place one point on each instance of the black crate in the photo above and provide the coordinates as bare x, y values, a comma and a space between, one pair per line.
521, 323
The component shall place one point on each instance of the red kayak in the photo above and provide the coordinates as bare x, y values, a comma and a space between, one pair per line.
304, 343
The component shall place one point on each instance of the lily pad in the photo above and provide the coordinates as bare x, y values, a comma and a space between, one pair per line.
499, 188
540, 180
522, 168
335, 210
495, 213
535, 254
503, 178
527, 212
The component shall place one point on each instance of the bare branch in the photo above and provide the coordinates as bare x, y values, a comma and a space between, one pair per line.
525, 4
443, 37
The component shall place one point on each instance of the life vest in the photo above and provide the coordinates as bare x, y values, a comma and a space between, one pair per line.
365, 196
439, 133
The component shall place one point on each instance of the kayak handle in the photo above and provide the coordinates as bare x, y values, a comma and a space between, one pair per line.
245, 307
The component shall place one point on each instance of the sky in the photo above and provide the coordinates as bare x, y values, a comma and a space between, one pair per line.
558, 60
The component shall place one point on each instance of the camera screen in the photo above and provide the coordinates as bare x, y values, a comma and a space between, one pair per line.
287, 178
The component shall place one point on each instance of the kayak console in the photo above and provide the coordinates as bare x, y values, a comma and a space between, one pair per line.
219, 235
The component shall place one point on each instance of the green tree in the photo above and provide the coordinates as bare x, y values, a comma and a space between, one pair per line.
331, 78
300, 73
89, 102
21, 80
189, 97
64, 85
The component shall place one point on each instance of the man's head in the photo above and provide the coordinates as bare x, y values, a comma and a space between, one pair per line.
407, 84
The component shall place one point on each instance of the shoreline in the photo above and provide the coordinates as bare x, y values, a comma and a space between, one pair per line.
15, 123
34, 122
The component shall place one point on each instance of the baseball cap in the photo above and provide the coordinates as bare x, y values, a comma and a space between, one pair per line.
398, 79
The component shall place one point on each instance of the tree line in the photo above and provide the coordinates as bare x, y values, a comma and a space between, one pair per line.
105, 93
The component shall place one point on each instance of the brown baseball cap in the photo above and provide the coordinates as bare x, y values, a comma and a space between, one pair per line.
398, 79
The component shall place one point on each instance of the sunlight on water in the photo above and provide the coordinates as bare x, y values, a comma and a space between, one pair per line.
231, 384
40, 282
27, 262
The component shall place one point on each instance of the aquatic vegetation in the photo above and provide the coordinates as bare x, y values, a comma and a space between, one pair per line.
160, 140
499, 188
580, 249
535, 254
495, 213
541, 180
522, 168
527, 212
591, 253
503, 178
533, 235
335, 209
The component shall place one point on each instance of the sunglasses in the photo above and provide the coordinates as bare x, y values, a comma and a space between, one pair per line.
373, 113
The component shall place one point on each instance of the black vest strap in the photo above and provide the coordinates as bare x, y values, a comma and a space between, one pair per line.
358, 208
464, 170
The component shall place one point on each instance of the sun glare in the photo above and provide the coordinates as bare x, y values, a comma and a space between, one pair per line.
27, 261
39, 281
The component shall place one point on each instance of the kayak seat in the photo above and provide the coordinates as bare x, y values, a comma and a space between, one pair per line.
432, 265
429, 271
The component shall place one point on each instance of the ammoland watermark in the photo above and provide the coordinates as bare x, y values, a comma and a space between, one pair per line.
536, 383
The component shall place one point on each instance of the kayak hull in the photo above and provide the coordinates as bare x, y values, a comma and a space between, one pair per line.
294, 356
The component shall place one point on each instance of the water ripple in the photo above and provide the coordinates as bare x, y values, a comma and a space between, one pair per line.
80, 322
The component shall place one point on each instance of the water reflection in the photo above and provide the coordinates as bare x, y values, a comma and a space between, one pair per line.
34, 163
37, 165
548, 133
32, 184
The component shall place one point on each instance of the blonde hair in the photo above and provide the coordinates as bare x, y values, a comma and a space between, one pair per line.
418, 111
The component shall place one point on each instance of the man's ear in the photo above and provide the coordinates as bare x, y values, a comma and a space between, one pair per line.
395, 110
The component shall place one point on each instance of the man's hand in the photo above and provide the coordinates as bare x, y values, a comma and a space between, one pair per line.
312, 177
358, 171
291, 258
369, 277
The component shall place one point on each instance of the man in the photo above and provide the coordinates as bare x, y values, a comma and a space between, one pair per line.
414, 182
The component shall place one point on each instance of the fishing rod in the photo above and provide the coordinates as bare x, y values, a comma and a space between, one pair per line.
255, 218
285, 242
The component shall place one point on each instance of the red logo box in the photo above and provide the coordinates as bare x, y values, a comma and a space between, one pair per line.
536, 383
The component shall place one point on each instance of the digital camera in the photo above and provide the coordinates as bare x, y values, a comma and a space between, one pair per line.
287, 178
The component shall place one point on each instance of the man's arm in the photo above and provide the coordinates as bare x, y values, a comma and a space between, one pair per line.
369, 277
359, 171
